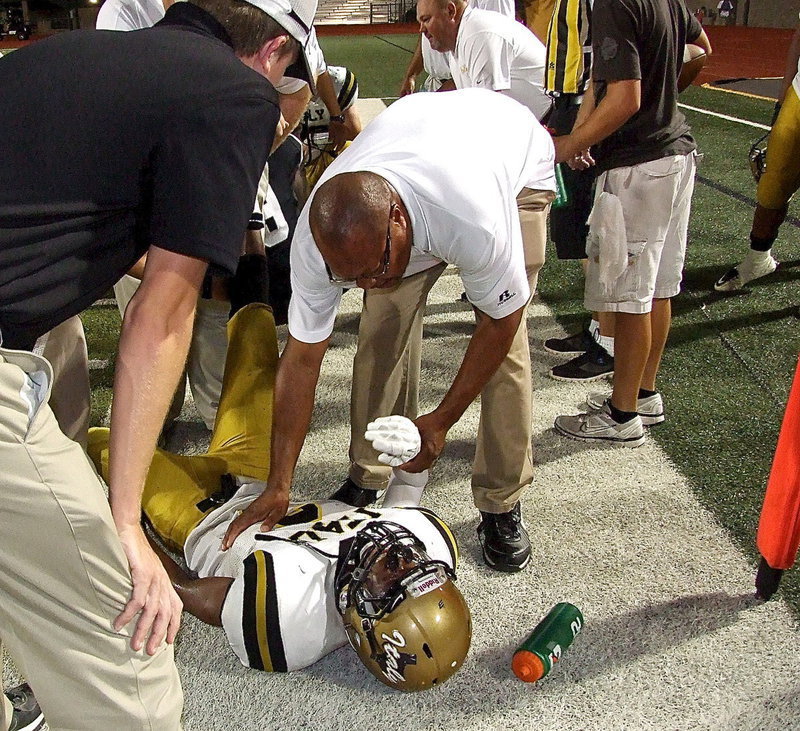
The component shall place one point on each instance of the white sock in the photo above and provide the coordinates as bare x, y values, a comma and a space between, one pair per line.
758, 257
606, 343
405, 489
594, 329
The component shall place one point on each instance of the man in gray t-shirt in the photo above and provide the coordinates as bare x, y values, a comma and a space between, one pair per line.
637, 235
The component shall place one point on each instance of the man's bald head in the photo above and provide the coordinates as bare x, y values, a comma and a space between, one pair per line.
348, 219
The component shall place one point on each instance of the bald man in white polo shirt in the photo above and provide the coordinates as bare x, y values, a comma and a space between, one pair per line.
388, 216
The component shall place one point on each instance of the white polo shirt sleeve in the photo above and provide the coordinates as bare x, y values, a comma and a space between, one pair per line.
315, 301
489, 256
489, 57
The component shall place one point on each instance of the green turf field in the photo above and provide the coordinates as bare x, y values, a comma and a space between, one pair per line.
730, 359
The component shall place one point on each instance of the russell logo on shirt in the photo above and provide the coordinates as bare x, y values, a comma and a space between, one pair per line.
505, 297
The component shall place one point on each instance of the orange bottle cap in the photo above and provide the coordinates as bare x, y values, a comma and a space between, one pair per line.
527, 666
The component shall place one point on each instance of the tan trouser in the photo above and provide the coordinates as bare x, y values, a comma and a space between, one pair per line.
386, 377
6, 709
64, 576
205, 364
64, 347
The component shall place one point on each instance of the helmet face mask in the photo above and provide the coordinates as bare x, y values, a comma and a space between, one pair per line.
758, 157
403, 615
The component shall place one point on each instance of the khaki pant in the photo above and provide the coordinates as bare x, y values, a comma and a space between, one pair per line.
64, 576
64, 347
205, 364
6, 709
386, 373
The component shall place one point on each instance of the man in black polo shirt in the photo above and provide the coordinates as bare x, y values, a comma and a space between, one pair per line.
637, 239
108, 157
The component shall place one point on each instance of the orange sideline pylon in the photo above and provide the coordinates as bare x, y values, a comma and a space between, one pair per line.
779, 526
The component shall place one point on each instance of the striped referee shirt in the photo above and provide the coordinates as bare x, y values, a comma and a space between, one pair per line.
569, 48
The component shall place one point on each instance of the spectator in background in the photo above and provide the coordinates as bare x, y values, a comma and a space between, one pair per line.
778, 183
637, 238
726, 10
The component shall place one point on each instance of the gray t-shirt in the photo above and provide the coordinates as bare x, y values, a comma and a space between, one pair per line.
643, 39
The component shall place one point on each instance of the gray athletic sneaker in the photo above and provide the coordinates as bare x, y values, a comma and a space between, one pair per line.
599, 426
650, 408
750, 269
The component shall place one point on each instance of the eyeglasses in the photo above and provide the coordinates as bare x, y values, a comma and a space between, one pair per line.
387, 255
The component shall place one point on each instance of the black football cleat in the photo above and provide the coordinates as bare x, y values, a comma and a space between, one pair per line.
352, 494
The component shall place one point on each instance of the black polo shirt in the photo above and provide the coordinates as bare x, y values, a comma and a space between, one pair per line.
115, 141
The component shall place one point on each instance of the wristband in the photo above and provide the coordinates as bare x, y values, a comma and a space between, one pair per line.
337, 118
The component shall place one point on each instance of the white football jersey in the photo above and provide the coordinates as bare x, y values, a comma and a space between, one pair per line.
280, 613
317, 117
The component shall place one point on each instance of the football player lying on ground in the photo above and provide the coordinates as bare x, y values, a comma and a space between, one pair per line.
328, 572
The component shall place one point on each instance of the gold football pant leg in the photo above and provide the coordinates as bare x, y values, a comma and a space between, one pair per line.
177, 486
781, 179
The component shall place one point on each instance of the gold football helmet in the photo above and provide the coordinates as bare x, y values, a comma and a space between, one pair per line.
402, 612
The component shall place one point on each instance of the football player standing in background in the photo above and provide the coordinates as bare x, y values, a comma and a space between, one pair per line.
778, 183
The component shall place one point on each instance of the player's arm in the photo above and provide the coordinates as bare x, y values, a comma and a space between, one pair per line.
414, 69
295, 387
487, 349
703, 41
622, 100
202, 598
326, 91
153, 345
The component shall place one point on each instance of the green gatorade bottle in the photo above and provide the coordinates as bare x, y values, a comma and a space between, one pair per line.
562, 197
544, 646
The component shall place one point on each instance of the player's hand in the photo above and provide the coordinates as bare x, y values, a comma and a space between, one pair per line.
432, 438
408, 86
567, 152
153, 597
338, 133
268, 508
395, 437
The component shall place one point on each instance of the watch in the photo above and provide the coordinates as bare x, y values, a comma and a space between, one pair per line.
337, 118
